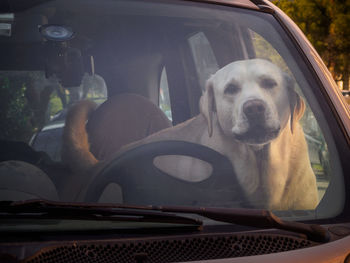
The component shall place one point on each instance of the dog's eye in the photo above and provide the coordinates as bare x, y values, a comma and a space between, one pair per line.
232, 89
268, 83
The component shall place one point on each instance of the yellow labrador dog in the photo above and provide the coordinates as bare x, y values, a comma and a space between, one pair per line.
250, 114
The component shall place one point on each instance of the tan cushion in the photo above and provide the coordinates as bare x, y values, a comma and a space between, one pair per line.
123, 119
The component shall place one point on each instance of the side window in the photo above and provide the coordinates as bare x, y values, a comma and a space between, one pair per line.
317, 146
264, 50
164, 98
203, 57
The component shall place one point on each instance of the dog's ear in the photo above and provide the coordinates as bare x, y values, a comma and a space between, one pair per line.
297, 111
297, 104
206, 105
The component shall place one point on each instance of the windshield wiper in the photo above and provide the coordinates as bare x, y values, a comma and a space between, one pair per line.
247, 217
259, 218
42, 209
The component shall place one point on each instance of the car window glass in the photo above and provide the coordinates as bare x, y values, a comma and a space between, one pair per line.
263, 49
249, 108
32, 101
19, 90
203, 57
164, 99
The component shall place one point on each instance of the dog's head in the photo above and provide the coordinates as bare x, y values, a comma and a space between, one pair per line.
253, 100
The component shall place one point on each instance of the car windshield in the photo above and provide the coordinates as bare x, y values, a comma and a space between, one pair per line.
154, 103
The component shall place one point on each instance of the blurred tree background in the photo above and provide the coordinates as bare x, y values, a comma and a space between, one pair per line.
23, 110
15, 114
29, 101
326, 23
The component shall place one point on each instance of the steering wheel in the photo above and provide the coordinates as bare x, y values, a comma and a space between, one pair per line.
143, 183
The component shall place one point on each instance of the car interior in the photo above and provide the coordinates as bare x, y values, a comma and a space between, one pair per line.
130, 59
164, 59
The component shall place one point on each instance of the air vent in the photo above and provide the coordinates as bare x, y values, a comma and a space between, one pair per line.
172, 249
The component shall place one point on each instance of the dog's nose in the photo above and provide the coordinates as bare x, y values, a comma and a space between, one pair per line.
254, 109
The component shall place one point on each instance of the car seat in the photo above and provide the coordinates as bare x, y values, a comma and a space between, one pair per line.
120, 120
23, 181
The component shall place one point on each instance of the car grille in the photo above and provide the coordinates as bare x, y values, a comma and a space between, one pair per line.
171, 249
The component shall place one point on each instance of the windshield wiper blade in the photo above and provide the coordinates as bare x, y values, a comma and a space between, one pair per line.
259, 218
42, 209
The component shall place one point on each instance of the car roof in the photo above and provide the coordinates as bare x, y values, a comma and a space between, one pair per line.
242, 3
19, 5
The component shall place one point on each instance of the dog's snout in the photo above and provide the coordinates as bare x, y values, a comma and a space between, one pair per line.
254, 109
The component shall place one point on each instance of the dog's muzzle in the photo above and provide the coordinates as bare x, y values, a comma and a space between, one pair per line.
258, 132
